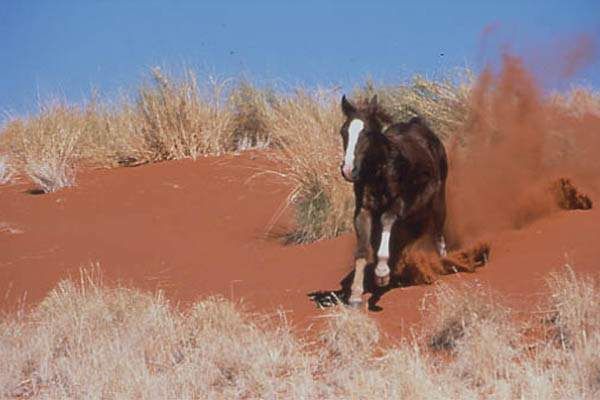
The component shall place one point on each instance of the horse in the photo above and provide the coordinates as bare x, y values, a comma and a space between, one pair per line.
398, 171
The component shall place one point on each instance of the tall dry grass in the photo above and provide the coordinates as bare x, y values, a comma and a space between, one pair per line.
179, 120
44, 146
443, 103
86, 340
578, 101
6, 171
306, 127
575, 305
252, 108
169, 116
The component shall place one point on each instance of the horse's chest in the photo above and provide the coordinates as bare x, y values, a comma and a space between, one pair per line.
379, 197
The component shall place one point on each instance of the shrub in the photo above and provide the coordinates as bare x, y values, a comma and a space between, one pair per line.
45, 146
6, 171
179, 121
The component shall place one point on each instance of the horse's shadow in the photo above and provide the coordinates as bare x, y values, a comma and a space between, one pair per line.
328, 298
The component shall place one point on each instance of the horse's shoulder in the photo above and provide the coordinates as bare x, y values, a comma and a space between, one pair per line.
402, 134
404, 128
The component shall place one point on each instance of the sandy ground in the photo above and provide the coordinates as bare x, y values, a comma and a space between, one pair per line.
195, 229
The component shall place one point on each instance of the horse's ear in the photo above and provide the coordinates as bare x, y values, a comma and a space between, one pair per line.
347, 108
378, 112
373, 104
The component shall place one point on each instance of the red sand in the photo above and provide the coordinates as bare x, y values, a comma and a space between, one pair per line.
198, 228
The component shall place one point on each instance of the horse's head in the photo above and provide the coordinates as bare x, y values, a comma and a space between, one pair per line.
360, 133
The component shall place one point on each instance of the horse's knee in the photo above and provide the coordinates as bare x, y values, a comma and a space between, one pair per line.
363, 252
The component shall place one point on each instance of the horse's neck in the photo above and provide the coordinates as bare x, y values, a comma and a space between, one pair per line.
388, 177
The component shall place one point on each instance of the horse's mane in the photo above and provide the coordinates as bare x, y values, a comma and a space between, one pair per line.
384, 117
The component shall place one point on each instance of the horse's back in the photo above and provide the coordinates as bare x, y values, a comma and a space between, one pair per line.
416, 140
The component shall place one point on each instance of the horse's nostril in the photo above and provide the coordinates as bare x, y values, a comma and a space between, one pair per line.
354, 173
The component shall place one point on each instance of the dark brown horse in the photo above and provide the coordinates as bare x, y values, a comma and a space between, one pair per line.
399, 175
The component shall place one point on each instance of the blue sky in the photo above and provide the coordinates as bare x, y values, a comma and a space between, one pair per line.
65, 48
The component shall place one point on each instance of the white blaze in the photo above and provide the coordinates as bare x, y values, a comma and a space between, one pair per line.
354, 129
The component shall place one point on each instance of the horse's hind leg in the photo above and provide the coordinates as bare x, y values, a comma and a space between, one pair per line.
439, 220
441, 246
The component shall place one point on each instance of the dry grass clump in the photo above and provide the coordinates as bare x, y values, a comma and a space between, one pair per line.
454, 311
306, 126
6, 171
578, 101
179, 121
352, 364
350, 337
45, 146
252, 109
95, 133
112, 136
51, 175
485, 345
567, 357
575, 304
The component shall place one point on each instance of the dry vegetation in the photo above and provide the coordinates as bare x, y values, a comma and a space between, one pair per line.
141, 346
579, 101
172, 116
6, 172
307, 127
444, 104
169, 117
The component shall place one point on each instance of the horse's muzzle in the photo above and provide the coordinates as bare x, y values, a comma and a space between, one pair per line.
349, 175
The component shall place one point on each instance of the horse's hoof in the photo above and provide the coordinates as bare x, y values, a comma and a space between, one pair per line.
355, 304
382, 281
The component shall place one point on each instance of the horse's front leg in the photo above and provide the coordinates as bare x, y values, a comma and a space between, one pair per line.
382, 270
363, 224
